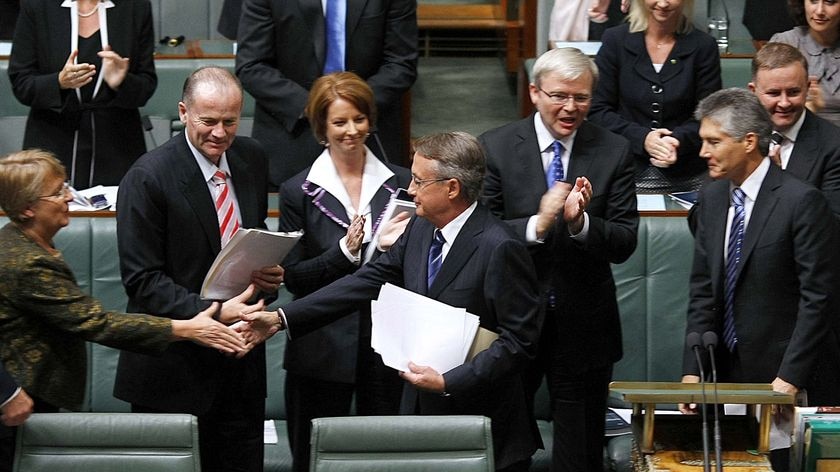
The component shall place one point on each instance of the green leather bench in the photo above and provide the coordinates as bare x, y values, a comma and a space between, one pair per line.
652, 294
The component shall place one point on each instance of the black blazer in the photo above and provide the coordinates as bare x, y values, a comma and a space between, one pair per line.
629, 90
786, 287
168, 236
580, 274
316, 261
488, 272
282, 51
41, 47
816, 157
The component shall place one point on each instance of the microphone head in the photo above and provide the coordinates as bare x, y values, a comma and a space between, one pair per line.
692, 340
710, 339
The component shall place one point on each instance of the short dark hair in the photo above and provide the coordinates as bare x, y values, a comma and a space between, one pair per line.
775, 56
329, 88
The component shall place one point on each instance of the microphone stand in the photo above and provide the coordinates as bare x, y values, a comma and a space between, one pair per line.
693, 340
710, 342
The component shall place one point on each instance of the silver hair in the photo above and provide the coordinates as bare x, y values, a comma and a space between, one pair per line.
458, 156
738, 112
567, 63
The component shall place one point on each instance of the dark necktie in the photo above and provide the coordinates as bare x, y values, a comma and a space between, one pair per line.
733, 258
777, 139
435, 257
555, 171
334, 18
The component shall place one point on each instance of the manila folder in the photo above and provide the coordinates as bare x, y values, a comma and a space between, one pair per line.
483, 339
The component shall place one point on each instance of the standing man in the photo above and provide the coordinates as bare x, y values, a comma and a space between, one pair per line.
458, 253
285, 45
764, 276
531, 164
805, 145
169, 232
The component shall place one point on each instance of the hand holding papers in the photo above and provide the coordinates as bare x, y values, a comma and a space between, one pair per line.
408, 327
248, 250
401, 202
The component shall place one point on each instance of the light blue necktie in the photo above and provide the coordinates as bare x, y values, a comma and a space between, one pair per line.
435, 257
733, 258
335, 17
555, 172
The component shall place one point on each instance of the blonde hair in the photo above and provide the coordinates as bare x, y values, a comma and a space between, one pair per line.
22, 178
638, 17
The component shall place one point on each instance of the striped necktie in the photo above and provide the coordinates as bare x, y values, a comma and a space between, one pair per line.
228, 223
555, 172
435, 257
733, 258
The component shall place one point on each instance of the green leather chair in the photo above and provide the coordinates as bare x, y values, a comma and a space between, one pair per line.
402, 444
107, 442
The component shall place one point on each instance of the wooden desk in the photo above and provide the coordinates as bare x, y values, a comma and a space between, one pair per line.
646, 395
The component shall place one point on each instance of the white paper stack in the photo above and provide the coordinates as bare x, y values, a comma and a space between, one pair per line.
407, 327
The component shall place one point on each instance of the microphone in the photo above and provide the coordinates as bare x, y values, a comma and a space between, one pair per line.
710, 340
693, 341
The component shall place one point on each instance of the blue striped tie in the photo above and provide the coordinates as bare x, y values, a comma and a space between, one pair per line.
733, 258
555, 171
435, 257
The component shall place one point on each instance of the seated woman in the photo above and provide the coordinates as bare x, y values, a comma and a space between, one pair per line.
339, 203
818, 37
653, 72
45, 317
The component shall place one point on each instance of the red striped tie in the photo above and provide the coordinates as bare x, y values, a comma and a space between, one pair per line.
228, 224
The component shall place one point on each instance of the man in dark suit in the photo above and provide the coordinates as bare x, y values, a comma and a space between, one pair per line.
484, 270
282, 50
581, 338
168, 234
810, 145
15, 408
765, 261
229, 18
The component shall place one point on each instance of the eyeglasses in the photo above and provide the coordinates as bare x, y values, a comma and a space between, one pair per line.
563, 98
420, 183
60, 193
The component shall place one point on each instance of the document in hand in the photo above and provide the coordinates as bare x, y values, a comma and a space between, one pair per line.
400, 201
410, 327
248, 250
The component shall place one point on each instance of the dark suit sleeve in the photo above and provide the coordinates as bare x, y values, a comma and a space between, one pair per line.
8, 386
305, 275
607, 97
33, 84
140, 81
398, 70
495, 147
815, 245
256, 68
142, 224
613, 232
510, 291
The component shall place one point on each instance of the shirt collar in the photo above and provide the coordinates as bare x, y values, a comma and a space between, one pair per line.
375, 173
793, 131
544, 138
752, 184
207, 167
451, 230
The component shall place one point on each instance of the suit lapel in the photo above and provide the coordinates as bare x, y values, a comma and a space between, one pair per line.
461, 251
244, 183
313, 14
805, 151
762, 209
674, 65
582, 157
529, 156
195, 191
718, 197
354, 12
641, 61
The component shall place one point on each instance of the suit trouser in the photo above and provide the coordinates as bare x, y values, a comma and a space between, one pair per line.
578, 407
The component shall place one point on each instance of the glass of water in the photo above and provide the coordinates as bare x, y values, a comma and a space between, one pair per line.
719, 29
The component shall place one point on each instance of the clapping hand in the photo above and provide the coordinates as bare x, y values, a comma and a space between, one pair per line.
392, 230
576, 203
552, 206
114, 67
355, 235
72, 75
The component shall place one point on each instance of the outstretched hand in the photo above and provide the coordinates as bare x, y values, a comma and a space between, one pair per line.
204, 330
236, 306
114, 67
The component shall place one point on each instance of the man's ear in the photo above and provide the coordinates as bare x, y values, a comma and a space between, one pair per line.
750, 142
453, 188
